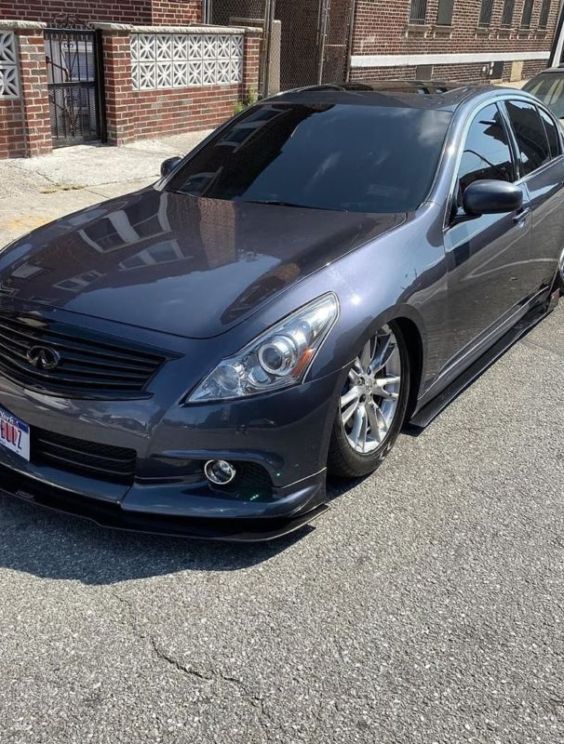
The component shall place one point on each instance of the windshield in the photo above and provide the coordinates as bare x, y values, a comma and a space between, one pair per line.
550, 89
338, 157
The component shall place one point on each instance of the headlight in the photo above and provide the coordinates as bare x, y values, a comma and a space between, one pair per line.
277, 359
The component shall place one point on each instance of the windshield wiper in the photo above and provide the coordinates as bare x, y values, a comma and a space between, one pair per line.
276, 203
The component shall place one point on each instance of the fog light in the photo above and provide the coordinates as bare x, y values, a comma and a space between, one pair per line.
220, 472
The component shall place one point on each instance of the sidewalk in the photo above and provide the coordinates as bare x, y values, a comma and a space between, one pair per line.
34, 191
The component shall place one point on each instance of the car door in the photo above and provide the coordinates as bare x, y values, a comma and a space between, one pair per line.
485, 253
541, 164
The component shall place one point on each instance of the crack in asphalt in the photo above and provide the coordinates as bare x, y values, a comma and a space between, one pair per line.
251, 698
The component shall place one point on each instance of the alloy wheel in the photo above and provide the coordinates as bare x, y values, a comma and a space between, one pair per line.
371, 393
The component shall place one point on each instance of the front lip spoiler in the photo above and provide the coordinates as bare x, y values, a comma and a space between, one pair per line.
113, 516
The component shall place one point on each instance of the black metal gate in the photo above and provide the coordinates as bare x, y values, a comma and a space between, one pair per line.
75, 81
316, 38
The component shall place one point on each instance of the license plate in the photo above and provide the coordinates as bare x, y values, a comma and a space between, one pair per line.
14, 434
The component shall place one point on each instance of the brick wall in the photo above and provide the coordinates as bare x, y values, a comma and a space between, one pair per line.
395, 36
12, 143
25, 127
124, 11
136, 114
175, 12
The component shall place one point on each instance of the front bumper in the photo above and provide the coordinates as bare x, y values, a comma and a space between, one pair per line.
117, 516
285, 435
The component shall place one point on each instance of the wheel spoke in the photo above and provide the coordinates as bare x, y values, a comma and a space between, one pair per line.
366, 355
358, 433
354, 375
349, 396
382, 383
373, 421
384, 354
383, 424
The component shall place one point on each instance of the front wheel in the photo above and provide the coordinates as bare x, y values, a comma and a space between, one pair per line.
372, 405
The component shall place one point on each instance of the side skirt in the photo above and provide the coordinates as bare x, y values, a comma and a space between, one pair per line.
431, 410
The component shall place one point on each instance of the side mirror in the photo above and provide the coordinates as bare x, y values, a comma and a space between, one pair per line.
491, 197
168, 165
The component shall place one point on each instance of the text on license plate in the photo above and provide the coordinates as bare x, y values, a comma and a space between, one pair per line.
14, 434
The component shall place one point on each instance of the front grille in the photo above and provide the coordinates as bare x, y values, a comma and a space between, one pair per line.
88, 365
100, 461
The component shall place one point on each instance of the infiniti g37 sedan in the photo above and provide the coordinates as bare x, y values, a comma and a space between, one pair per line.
330, 266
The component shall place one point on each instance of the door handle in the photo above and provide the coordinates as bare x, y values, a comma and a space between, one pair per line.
521, 215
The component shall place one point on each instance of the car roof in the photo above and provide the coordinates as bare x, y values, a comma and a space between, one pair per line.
420, 94
550, 71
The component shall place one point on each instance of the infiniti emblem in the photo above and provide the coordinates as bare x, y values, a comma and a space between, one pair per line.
43, 357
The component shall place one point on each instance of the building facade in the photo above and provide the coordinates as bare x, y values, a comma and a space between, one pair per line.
466, 40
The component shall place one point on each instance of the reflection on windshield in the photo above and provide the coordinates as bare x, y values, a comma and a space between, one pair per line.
325, 156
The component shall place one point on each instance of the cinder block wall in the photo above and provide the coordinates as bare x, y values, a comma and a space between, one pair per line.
154, 108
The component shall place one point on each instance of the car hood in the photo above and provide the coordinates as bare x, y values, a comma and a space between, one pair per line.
175, 263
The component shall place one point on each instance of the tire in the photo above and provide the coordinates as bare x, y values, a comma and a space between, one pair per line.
560, 277
350, 456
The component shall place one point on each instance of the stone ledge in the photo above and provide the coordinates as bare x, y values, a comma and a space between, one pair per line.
132, 29
21, 25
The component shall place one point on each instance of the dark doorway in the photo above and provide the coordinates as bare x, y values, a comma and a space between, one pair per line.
75, 70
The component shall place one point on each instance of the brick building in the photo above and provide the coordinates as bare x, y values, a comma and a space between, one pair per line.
466, 40
142, 68
463, 40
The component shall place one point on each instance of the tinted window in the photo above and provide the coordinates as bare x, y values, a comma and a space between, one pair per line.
549, 89
487, 154
531, 137
339, 157
552, 134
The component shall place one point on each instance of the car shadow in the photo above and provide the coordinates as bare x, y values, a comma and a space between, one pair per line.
47, 544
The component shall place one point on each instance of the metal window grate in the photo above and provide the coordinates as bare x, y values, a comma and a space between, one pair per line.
486, 11
544, 14
445, 12
527, 14
418, 12
508, 11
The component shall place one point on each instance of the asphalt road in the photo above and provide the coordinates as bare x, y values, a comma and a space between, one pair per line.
426, 606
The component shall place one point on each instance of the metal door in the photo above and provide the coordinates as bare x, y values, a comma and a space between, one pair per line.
74, 69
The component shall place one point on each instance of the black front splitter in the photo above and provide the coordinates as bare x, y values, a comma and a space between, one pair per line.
113, 516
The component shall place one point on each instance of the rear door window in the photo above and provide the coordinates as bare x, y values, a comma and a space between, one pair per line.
530, 134
552, 133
